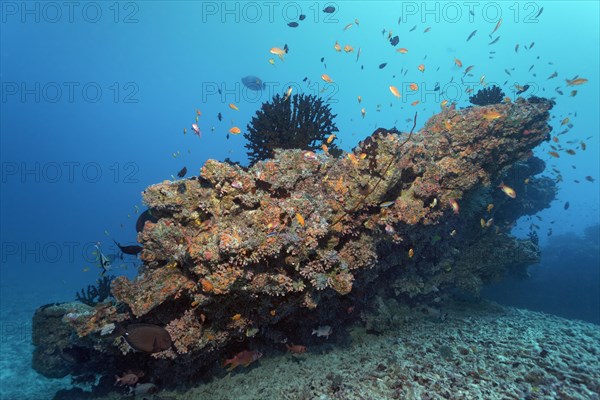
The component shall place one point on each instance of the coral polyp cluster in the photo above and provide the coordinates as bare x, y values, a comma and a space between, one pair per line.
242, 255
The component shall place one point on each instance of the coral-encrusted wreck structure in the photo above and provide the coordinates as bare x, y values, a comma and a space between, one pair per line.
244, 258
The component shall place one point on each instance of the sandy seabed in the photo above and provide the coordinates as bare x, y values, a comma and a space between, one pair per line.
480, 351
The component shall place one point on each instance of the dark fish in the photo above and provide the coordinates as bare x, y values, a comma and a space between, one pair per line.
471, 12
523, 90
131, 250
413, 28
148, 338
322, 59
394, 41
382, 65
302, 17
286, 48
182, 188
253, 83
554, 75
305, 78
531, 45
566, 207
437, 87
293, 24
182, 172
530, 68
329, 9
220, 117
507, 72
494, 41
589, 178
539, 13
145, 216
517, 48
471, 35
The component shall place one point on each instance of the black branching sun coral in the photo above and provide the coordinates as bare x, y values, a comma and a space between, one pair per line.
487, 96
300, 122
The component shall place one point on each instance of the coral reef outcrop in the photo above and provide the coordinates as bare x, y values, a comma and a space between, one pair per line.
237, 257
487, 96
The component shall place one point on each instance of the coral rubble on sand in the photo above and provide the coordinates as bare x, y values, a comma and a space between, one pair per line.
241, 255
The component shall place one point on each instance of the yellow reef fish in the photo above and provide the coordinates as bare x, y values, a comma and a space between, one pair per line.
413, 86
233, 107
300, 219
395, 91
325, 148
411, 253
421, 67
337, 46
414, 103
457, 62
444, 103
491, 115
326, 78
330, 138
575, 82
271, 61
402, 50
447, 125
490, 207
482, 222
348, 48
236, 317
510, 192
507, 100
362, 156
235, 130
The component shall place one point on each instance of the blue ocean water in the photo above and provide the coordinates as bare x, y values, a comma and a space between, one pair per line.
96, 96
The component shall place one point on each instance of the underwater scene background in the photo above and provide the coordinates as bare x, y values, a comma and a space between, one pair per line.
431, 230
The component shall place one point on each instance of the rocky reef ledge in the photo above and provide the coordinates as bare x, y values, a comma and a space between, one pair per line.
239, 259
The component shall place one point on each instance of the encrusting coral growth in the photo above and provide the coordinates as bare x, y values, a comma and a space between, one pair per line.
241, 255
299, 122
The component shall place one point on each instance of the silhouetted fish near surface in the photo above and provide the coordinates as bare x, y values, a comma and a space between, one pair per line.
220, 117
302, 17
566, 207
329, 9
471, 35
253, 83
293, 24
182, 172
131, 250
382, 65
148, 338
394, 41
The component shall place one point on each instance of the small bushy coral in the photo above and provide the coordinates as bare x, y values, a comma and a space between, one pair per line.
487, 96
300, 122
97, 293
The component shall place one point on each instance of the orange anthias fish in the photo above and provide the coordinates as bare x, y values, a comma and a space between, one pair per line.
326, 78
575, 82
454, 205
244, 358
348, 48
296, 349
421, 67
235, 130
337, 46
395, 91
413, 86
300, 219
233, 107
278, 52
510, 192
458, 62
402, 50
